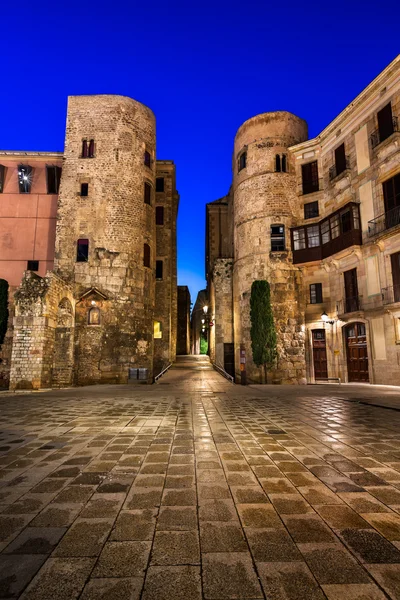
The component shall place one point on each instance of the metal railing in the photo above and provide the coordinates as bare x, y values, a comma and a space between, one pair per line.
333, 171
222, 372
348, 305
157, 377
391, 294
377, 137
387, 220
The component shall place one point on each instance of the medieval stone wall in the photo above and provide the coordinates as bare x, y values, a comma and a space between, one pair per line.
117, 222
262, 198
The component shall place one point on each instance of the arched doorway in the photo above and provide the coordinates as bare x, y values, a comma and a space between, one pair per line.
319, 354
357, 352
63, 361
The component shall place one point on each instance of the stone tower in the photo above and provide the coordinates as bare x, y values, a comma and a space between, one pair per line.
105, 237
265, 207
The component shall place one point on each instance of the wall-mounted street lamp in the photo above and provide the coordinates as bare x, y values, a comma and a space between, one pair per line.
205, 309
326, 319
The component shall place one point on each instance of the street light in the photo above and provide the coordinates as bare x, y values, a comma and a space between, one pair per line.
326, 319
205, 309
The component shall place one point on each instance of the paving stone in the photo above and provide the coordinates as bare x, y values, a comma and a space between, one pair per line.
134, 525
84, 538
177, 518
260, 516
249, 495
143, 498
332, 564
229, 576
290, 504
306, 529
56, 516
364, 503
388, 524
185, 497
341, 517
102, 506
47, 486
222, 537
35, 540
370, 547
276, 485
177, 583
113, 589
60, 578
353, 591
72, 494
289, 581
271, 545
123, 559
175, 548
388, 576
10, 526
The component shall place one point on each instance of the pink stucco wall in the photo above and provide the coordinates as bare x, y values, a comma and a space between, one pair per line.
27, 221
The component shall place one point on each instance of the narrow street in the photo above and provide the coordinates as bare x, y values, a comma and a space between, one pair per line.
197, 488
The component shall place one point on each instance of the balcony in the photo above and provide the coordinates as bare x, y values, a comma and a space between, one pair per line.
377, 136
349, 305
391, 294
335, 171
386, 221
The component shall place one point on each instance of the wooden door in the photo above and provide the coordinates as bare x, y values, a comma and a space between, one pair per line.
319, 354
229, 359
357, 353
395, 258
351, 291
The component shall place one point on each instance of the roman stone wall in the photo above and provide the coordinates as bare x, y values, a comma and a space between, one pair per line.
222, 314
262, 198
117, 222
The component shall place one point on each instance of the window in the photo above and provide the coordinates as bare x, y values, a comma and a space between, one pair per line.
242, 161
146, 255
280, 163
159, 215
91, 149
94, 316
299, 239
335, 226
84, 189
53, 176
147, 193
82, 251
147, 158
25, 178
309, 173
88, 149
33, 265
157, 330
340, 159
313, 236
325, 232
345, 220
159, 269
316, 293
2, 176
159, 184
277, 163
277, 238
391, 193
311, 210
284, 163
385, 122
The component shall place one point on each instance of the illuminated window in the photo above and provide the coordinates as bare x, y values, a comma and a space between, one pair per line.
316, 293
25, 179
94, 316
157, 330
277, 238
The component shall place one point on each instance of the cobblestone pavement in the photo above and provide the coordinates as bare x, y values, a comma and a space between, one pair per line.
194, 488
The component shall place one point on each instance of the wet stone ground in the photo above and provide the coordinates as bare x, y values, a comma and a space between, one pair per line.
195, 488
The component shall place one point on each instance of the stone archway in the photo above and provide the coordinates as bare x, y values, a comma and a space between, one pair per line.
63, 357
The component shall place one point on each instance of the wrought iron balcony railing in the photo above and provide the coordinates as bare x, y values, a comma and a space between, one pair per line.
377, 137
391, 294
389, 219
349, 305
334, 171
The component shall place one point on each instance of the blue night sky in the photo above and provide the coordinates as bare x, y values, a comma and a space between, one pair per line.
203, 68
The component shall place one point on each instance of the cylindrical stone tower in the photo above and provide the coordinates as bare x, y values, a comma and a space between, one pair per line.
265, 207
105, 238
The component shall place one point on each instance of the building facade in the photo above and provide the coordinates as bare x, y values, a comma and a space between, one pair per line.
94, 246
183, 329
320, 221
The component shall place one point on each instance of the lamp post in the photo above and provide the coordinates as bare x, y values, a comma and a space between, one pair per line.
326, 319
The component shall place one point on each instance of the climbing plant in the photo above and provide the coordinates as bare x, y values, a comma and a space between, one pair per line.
262, 332
3, 308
